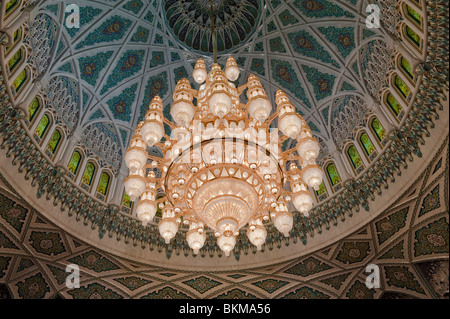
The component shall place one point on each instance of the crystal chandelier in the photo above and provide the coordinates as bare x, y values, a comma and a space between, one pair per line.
223, 166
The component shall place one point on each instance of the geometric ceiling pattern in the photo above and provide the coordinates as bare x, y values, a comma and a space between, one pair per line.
125, 52
409, 242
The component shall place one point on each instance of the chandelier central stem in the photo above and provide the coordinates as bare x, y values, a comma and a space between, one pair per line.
213, 31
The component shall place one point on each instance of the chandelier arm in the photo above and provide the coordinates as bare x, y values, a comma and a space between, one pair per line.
242, 88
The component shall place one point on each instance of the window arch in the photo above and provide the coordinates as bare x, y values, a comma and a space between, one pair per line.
17, 35
405, 66
413, 37
355, 159
321, 193
378, 129
127, 204
401, 86
103, 184
75, 162
42, 127
393, 104
88, 175
20, 81
55, 141
333, 175
413, 15
367, 145
15, 60
34, 108
11, 6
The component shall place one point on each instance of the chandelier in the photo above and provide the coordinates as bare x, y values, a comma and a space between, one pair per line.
223, 167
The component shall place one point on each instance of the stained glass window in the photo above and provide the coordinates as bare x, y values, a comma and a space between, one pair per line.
16, 37
20, 80
406, 66
42, 126
322, 190
33, 108
75, 162
103, 183
413, 36
354, 156
15, 60
88, 173
126, 200
54, 141
10, 5
414, 15
378, 129
333, 174
367, 143
393, 103
401, 86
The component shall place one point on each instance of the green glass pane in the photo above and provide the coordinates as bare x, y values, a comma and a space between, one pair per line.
367, 144
401, 86
103, 184
321, 189
20, 80
416, 17
354, 157
34, 106
42, 126
54, 141
74, 162
88, 174
333, 174
15, 60
413, 36
10, 5
126, 200
378, 129
395, 106
407, 67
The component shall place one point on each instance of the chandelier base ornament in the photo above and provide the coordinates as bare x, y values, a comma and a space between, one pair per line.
223, 166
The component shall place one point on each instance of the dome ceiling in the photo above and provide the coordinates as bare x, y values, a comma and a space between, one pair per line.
124, 53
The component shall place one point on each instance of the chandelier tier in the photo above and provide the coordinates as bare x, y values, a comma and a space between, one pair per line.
223, 166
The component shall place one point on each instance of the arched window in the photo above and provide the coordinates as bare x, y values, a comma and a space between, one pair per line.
33, 109
393, 104
366, 144
89, 173
406, 67
103, 184
20, 81
413, 15
54, 142
355, 159
16, 37
378, 129
75, 162
15, 60
126, 200
333, 174
42, 127
402, 88
413, 36
321, 193
11, 5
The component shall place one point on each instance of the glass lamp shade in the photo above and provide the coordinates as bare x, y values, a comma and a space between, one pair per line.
312, 175
226, 244
303, 202
168, 228
232, 73
182, 112
134, 186
136, 157
152, 132
195, 240
283, 221
257, 236
308, 148
290, 125
259, 109
220, 104
145, 211
199, 74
